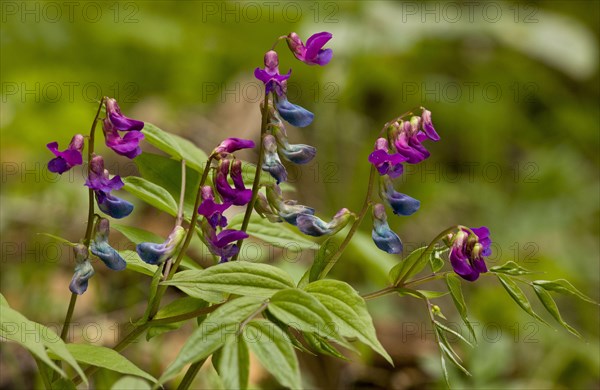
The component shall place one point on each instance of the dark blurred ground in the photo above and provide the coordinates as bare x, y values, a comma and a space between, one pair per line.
513, 87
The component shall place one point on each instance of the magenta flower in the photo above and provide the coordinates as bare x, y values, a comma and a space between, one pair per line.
384, 237
428, 125
99, 181
467, 251
119, 121
231, 145
386, 163
68, 158
239, 195
312, 53
128, 145
211, 210
222, 244
407, 137
270, 74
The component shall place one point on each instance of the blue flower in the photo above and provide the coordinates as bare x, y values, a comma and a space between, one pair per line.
83, 270
401, 204
272, 163
294, 114
384, 237
102, 249
99, 181
315, 226
296, 153
153, 253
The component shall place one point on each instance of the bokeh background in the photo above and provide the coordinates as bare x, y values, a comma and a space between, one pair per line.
513, 87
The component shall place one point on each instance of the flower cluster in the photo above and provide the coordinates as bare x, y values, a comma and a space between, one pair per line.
468, 247
100, 182
221, 241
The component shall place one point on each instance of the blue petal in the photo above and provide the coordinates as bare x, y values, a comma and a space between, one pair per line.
403, 204
387, 241
83, 272
115, 207
312, 226
150, 252
108, 255
294, 114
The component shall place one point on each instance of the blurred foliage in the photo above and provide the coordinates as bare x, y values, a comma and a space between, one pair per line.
514, 97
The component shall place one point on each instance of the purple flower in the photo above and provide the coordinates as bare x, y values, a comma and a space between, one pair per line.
401, 204
428, 125
222, 244
384, 237
238, 195
212, 211
293, 113
128, 145
272, 163
153, 253
69, 157
231, 145
102, 249
270, 74
467, 252
313, 53
296, 153
315, 226
83, 270
99, 181
119, 121
386, 164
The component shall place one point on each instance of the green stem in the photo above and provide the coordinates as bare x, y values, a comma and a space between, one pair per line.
188, 238
191, 373
65, 330
183, 317
379, 293
257, 173
359, 218
425, 279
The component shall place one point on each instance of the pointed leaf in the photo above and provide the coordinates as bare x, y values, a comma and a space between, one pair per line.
232, 362
212, 333
511, 268
551, 307
175, 146
151, 193
454, 287
436, 261
177, 307
130, 383
322, 256
320, 345
410, 265
235, 277
348, 311
518, 296
275, 352
563, 286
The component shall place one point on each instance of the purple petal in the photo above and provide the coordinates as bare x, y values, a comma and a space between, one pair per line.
58, 165
324, 57
227, 236
315, 43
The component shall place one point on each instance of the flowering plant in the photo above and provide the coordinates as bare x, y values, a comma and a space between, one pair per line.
242, 306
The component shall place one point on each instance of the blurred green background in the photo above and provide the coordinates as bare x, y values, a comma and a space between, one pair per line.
513, 87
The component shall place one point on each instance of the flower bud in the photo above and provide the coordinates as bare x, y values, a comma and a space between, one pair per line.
384, 237
231, 145
428, 125
152, 253
102, 249
120, 121
83, 272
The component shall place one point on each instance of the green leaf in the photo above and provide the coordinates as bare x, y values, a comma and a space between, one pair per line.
275, 352
302, 311
511, 268
58, 239
411, 265
137, 236
130, 383
348, 310
150, 193
212, 333
322, 346
134, 263
551, 307
436, 261
276, 234
166, 173
175, 146
454, 287
422, 293
518, 296
451, 331
36, 338
235, 277
110, 359
232, 362
562, 286
177, 307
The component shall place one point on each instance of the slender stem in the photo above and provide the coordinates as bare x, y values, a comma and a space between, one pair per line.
188, 238
425, 279
257, 173
359, 218
181, 195
65, 330
183, 317
427, 250
379, 293
90, 221
191, 373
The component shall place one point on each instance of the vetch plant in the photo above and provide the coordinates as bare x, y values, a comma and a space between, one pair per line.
241, 306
